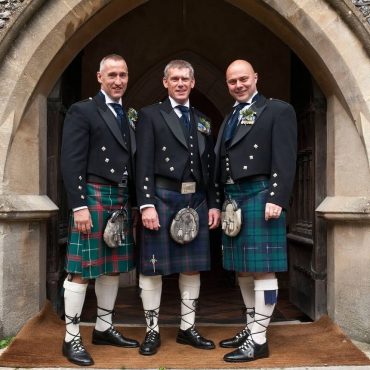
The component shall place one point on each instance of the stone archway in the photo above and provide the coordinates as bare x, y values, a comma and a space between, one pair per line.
316, 33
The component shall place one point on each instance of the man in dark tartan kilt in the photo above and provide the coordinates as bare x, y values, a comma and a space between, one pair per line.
98, 171
175, 162
256, 154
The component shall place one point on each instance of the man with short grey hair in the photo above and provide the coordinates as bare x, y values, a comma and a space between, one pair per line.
174, 174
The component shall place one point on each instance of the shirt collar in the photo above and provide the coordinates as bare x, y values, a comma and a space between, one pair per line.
108, 99
248, 102
174, 103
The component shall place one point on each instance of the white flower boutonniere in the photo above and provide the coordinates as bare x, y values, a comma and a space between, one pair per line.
132, 117
204, 126
248, 116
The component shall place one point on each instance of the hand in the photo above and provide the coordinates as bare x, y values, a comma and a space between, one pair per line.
150, 219
272, 211
82, 219
214, 217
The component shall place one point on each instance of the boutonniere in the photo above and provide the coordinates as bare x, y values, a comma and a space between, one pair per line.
248, 116
204, 126
132, 117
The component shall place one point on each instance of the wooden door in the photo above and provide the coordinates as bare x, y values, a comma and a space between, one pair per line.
307, 233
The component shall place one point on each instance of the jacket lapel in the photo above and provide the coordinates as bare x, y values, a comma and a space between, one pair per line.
243, 130
173, 122
109, 119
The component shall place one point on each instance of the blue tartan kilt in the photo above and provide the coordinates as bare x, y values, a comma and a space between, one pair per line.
159, 253
88, 254
260, 245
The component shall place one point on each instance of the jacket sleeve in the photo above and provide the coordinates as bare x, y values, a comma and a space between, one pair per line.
74, 154
145, 157
284, 156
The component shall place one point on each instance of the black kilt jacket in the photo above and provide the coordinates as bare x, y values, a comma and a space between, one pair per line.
163, 151
267, 147
93, 145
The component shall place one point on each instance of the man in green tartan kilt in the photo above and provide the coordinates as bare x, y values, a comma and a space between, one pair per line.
255, 163
98, 170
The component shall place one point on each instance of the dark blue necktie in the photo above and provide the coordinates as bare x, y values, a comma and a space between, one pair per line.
232, 123
185, 116
120, 119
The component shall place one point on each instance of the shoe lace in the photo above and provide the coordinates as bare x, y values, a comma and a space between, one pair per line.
243, 333
194, 332
77, 345
150, 336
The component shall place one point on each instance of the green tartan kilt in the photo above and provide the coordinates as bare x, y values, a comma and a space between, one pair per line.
88, 254
260, 245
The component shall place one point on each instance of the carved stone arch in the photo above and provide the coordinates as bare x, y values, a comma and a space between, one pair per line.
209, 80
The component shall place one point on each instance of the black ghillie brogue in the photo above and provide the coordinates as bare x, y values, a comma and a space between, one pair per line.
151, 343
192, 338
112, 337
248, 351
237, 340
76, 352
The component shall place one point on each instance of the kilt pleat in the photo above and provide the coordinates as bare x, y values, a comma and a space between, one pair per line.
260, 245
159, 253
88, 254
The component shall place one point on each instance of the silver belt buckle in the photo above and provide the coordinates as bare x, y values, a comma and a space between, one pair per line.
188, 187
230, 181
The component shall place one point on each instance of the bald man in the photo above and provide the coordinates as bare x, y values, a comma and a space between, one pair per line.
255, 163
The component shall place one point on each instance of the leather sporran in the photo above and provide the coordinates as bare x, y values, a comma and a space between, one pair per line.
185, 226
117, 228
231, 218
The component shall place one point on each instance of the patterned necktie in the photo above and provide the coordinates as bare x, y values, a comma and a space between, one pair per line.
185, 116
120, 119
232, 123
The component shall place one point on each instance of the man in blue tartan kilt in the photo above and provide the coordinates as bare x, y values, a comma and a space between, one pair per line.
175, 162
98, 171
256, 154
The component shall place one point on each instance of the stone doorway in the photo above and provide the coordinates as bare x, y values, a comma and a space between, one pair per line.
278, 80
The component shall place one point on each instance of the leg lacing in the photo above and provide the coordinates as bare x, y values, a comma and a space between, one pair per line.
192, 308
107, 312
151, 315
76, 342
249, 341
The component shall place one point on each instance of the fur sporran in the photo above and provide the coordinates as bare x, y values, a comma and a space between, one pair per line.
185, 226
117, 228
231, 218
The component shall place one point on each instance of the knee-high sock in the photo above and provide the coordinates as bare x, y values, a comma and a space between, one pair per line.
246, 284
74, 298
189, 289
106, 289
263, 311
151, 291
